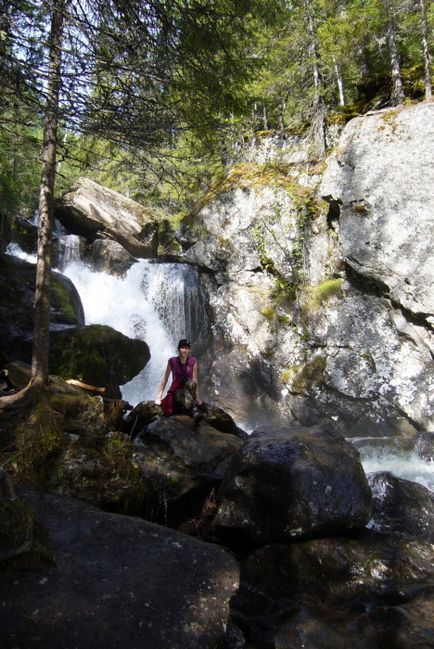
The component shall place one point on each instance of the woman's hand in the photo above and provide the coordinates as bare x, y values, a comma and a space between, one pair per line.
157, 402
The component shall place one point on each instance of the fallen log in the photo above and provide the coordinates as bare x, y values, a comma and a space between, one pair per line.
86, 386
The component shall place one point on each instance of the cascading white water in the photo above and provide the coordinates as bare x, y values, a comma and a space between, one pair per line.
161, 303
382, 455
158, 303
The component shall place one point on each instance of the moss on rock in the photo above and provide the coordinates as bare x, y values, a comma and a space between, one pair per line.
39, 441
97, 355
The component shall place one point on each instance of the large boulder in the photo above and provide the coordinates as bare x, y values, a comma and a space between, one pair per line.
115, 581
97, 355
283, 486
183, 461
91, 210
17, 306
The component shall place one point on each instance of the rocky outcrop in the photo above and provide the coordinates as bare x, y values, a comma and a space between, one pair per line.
382, 180
94, 211
368, 592
285, 486
16, 306
320, 290
111, 581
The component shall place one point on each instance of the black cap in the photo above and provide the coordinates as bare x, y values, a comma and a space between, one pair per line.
184, 343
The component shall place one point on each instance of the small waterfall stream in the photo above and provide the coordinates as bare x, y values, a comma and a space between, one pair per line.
158, 303
161, 303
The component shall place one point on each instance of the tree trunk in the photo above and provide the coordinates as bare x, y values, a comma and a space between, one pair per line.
43, 267
426, 52
318, 122
340, 82
397, 87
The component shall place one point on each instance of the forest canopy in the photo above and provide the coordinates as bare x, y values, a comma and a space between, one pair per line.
154, 95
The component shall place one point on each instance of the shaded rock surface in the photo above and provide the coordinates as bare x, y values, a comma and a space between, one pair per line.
281, 486
366, 591
181, 460
92, 210
116, 581
402, 507
97, 355
17, 304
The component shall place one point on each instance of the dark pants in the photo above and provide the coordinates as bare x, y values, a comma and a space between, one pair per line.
185, 398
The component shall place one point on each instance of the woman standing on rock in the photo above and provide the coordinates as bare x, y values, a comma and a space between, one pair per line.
184, 388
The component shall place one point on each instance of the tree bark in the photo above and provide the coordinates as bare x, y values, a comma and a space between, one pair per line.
43, 267
398, 95
340, 82
426, 52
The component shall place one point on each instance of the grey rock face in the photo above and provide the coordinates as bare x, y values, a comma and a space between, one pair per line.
280, 487
91, 210
116, 581
383, 177
354, 342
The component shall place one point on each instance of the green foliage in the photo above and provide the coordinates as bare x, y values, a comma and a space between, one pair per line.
315, 296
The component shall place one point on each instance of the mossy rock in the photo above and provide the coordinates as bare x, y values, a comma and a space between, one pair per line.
97, 355
39, 440
310, 375
102, 472
17, 290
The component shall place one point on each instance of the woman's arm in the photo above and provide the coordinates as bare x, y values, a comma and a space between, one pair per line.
163, 384
194, 377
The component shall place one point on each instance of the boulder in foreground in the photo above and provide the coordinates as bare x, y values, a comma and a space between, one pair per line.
116, 581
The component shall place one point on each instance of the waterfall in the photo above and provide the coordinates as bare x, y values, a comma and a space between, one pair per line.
158, 303
68, 250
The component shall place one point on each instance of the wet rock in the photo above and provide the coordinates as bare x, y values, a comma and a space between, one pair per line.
98, 355
91, 210
222, 421
329, 590
116, 581
401, 507
25, 233
286, 486
105, 255
181, 460
424, 446
140, 416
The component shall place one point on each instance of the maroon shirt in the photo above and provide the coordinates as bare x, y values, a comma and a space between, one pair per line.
180, 374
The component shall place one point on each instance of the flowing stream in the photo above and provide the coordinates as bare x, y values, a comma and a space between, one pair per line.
161, 303
157, 303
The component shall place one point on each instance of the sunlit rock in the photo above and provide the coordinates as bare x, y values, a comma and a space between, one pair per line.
92, 210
